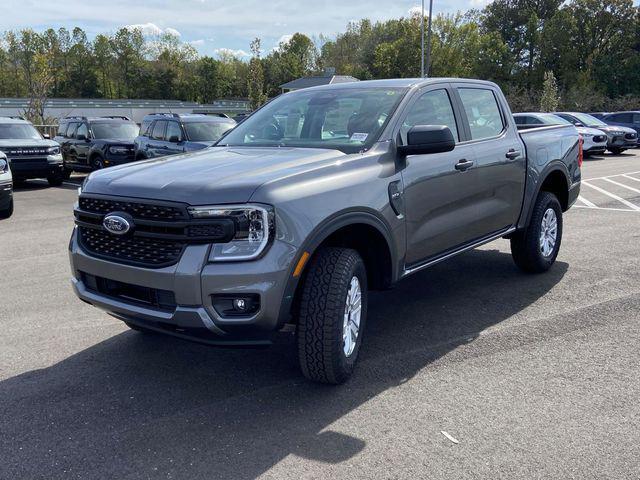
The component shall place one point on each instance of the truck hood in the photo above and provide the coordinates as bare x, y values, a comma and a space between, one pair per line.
210, 176
21, 142
589, 131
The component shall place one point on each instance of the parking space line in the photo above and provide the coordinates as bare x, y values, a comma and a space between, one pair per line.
615, 197
604, 208
621, 185
626, 175
587, 202
611, 176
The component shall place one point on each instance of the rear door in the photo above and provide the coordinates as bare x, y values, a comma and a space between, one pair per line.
68, 147
82, 147
439, 194
500, 159
156, 139
174, 138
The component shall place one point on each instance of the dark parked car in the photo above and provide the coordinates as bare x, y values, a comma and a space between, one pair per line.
30, 155
623, 119
315, 199
171, 133
93, 143
619, 138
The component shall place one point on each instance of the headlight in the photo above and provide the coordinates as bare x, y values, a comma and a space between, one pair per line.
53, 150
254, 230
119, 150
4, 165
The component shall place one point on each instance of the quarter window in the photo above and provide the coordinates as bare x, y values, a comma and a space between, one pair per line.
173, 130
432, 108
83, 130
62, 129
483, 112
72, 130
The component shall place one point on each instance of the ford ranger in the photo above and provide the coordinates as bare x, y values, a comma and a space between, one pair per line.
319, 197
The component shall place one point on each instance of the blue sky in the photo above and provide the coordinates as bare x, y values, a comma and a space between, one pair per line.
211, 25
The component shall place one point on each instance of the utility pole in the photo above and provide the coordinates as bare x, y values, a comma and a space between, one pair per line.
422, 40
428, 36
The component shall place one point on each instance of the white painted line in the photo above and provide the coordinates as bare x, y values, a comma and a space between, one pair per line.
450, 437
630, 177
586, 202
615, 197
621, 185
604, 208
610, 176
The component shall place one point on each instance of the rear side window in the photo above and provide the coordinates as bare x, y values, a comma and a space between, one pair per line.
432, 108
173, 130
71, 130
62, 129
158, 130
483, 112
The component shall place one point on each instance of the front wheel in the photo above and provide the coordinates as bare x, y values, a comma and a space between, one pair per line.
331, 315
97, 163
55, 180
616, 151
7, 212
535, 249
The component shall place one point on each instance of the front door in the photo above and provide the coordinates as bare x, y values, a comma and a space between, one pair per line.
440, 189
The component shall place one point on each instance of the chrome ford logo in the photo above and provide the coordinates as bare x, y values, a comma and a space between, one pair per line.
116, 224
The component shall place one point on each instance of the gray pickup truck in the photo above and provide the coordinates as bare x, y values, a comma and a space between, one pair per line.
319, 197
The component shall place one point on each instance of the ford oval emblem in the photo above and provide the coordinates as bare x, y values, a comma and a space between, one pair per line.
116, 224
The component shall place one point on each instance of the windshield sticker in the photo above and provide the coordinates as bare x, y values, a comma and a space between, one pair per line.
359, 137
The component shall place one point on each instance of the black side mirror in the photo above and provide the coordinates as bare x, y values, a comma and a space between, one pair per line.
174, 139
81, 137
424, 139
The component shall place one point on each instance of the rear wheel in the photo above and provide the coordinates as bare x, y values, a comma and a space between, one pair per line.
332, 315
55, 180
535, 249
7, 212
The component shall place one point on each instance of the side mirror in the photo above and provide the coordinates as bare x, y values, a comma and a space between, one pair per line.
81, 137
579, 124
46, 136
424, 139
174, 139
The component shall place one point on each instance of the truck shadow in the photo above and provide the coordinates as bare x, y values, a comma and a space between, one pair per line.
138, 405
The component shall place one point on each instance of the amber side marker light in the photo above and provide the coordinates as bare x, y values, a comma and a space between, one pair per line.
301, 263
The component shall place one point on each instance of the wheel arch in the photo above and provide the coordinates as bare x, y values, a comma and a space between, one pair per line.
555, 179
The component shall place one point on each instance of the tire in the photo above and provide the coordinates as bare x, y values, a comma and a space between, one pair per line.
55, 180
332, 276
66, 173
7, 212
616, 151
527, 248
97, 163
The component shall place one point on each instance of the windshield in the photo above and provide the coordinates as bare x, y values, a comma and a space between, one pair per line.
588, 120
207, 131
551, 119
22, 131
347, 119
114, 130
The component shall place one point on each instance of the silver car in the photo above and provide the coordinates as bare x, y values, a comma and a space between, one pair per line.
619, 138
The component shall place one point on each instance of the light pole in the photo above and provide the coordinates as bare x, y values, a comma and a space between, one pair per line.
425, 72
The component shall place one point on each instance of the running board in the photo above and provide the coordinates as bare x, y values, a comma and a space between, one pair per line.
471, 246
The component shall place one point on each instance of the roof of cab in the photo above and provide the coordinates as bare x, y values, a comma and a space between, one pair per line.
399, 83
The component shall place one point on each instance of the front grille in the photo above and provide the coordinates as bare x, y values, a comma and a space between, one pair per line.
599, 138
149, 297
134, 250
136, 209
159, 231
25, 151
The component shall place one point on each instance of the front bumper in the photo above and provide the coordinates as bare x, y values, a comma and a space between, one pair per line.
619, 141
193, 281
41, 167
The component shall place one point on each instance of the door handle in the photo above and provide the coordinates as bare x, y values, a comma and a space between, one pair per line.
512, 154
464, 164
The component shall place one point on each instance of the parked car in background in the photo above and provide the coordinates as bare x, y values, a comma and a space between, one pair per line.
93, 143
30, 155
172, 133
594, 141
315, 199
623, 119
619, 138
6, 188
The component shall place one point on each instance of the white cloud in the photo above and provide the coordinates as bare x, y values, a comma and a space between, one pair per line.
415, 11
152, 30
226, 52
197, 42
479, 3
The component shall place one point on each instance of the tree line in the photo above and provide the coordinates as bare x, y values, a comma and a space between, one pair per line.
587, 50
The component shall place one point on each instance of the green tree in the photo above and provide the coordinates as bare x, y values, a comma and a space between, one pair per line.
549, 100
255, 82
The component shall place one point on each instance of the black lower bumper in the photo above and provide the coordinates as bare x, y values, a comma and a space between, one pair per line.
26, 170
6, 194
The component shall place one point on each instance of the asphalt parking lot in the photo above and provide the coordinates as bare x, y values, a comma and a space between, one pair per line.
533, 376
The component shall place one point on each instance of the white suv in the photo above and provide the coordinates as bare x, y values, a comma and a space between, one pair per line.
6, 188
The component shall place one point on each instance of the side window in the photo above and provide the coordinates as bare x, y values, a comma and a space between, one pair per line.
636, 118
158, 130
173, 130
145, 129
624, 118
534, 121
82, 130
483, 113
521, 120
62, 129
432, 108
71, 131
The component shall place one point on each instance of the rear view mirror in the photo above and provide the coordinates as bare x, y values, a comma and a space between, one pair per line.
424, 139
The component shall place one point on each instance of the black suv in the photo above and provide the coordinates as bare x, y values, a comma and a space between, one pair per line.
171, 133
92, 143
